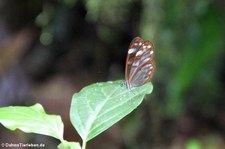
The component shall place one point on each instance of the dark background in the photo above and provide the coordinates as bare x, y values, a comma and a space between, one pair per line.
51, 49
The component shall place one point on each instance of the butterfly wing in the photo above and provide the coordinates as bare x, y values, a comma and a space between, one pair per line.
142, 68
143, 75
135, 44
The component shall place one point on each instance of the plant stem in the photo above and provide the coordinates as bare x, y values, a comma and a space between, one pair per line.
84, 145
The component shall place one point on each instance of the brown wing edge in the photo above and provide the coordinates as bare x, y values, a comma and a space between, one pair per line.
131, 55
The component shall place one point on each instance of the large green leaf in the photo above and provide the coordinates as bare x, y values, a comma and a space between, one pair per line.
98, 106
32, 119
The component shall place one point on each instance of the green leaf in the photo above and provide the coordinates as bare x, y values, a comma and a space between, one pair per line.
98, 106
193, 144
32, 119
69, 145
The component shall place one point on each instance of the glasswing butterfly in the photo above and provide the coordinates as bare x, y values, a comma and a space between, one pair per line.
139, 63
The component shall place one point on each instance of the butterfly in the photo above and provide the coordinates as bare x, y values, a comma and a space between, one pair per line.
139, 63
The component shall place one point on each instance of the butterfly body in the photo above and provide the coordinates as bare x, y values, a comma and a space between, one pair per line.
139, 63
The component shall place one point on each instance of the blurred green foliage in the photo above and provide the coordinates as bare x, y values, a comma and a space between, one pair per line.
212, 141
196, 55
193, 144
